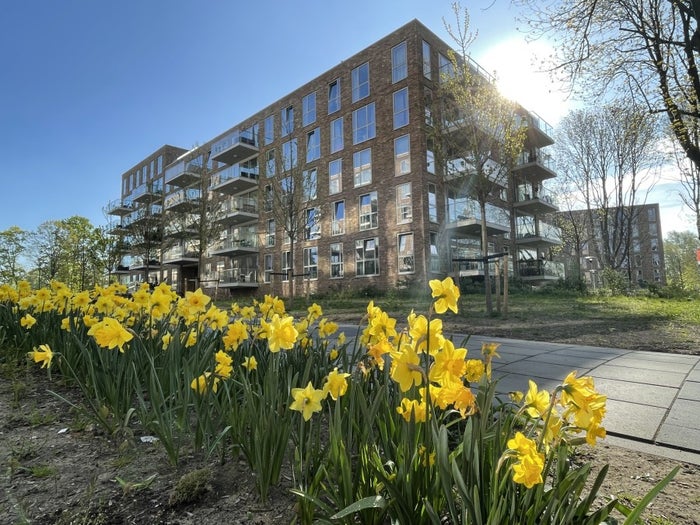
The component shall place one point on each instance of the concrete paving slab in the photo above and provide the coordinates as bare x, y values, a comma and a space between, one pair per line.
690, 390
638, 375
588, 351
678, 436
679, 366
537, 369
650, 395
633, 419
685, 413
518, 382
578, 362
694, 375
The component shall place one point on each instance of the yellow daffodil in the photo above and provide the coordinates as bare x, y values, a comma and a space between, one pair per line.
307, 400
236, 333
42, 355
449, 364
327, 328
528, 470
405, 368
27, 321
336, 384
166, 340
223, 364
250, 363
537, 401
333, 355
282, 334
412, 409
109, 333
202, 383
314, 312
475, 370
446, 294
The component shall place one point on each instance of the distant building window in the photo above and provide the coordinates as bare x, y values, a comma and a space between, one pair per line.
369, 211
434, 256
289, 154
446, 66
268, 268
308, 108
432, 203
401, 108
271, 232
367, 257
430, 161
312, 230
271, 164
404, 204
286, 265
363, 124
334, 96
402, 155
337, 135
360, 82
338, 221
399, 62
337, 269
287, 120
313, 145
310, 182
427, 68
311, 262
362, 167
269, 129
406, 262
335, 176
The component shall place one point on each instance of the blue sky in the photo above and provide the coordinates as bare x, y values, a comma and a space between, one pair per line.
92, 87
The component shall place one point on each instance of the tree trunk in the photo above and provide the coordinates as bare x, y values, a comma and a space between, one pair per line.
484, 254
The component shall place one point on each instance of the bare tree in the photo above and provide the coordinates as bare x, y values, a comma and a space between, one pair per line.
647, 49
477, 136
610, 159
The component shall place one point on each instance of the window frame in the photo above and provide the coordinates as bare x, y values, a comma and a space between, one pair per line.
399, 62
402, 257
335, 176
404, 204
401, 112
364, 123
360, 82
308, 109
402, 158
361, 259
337, 140
368, 211
337, 262
362, 172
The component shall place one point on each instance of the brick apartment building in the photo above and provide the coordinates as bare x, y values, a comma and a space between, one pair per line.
380, 213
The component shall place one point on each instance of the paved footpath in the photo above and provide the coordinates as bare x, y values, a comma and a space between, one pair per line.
653, 398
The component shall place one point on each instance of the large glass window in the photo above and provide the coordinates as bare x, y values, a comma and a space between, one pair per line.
363, 124
313, 145
337, 269
432, 203
310, 180
269, 129
271, 228
402, 155
434, 256
334, 96
430, 161
289, 154
268, 268
335, 176
286, 265
427, 68
337, 135
362, 167
399, 62
360, 82
338, 222
367, 257
406, 262
369, 211
267, 198
446, 66
312, 229
404, 203
271, 164
311, 262
287, 120
308, 107
401, 108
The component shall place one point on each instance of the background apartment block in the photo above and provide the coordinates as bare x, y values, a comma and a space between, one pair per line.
380, 212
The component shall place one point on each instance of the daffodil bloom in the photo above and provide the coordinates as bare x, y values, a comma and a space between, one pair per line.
191, 339
282, 333
537, 401
109, 333
405, 368
333, 355
528, 470
223, 364
166, 339
65, 324
307, 400
315, 311
196, 302
446, 294
336, 384
327, 328
521, 444
460, 397
250, 363
216, 318
378, 350
248, 312
42, 355
449, 364
202, 383
412, 409
427, 336
236, 333
475, 370
27, 321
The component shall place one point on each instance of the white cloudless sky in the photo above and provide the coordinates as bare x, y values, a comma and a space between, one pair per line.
89, 88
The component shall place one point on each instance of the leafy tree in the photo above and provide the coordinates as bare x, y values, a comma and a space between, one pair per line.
476, 135
12, 246
646, 49
682, 271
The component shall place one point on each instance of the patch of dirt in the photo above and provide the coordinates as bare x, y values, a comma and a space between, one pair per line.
55, 468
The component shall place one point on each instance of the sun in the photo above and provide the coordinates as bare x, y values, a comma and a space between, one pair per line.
515, 63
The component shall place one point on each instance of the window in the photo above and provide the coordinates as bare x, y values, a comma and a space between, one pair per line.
367, 257
286, 265
268, 268
334, 96
406, 258
430, 161
335, 176
313, 145
160, 164
289, 154
310, 181
399, 63
311, 262
434, 257
404, 204
308, 108
432, 203
287, 120
337, 135
446, 67
369, 208
428, 103
269, 129
402, 155
338, 221
651, 214
337, 260
363, 124
360, 82
427, 69
267, 198
271, 164
401, 108
312, 228
362, 167
271, 232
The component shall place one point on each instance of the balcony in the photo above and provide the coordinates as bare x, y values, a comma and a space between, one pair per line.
237, 146
238, 210
183, 201
457, 169
181, 230
119, 207
118, 228
467, 221
537, 204
145, 213
235, 179
182, 255
537, 234
149, 192
540, 270
184, 173
539, 132
238, 278
534, 166
234, 246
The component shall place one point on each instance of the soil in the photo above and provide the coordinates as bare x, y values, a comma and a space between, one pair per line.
56, 468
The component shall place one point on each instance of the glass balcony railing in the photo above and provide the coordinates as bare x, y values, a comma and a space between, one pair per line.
541, 268
240, 205
237, 275
236, 146
151, 188
189, 196
177, 253
467, 209
189, 170
543, 230
235, 243
233, 173
536, 157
